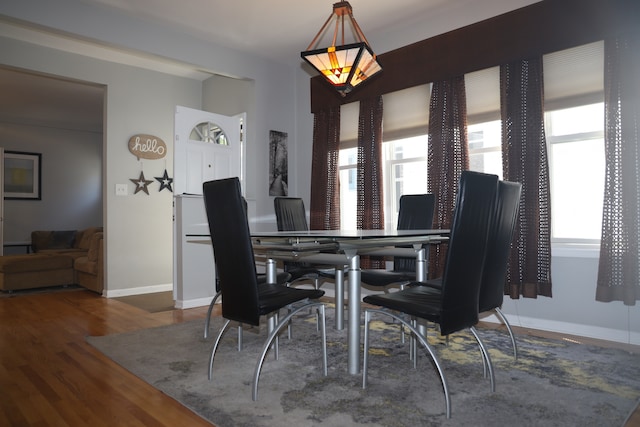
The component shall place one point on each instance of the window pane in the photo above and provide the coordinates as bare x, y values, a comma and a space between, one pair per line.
485, 144
484, 135
348, 156
347, 161
488, 162
577, 189
577, 167
348, 198
586, 118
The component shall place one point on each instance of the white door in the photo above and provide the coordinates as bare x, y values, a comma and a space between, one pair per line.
207, 146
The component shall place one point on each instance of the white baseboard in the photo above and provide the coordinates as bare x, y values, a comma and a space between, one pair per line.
588, 331
139, 290
193, 303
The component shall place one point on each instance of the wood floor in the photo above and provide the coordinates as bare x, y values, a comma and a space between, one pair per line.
50, 376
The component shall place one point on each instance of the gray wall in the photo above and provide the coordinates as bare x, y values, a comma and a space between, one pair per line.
71, 180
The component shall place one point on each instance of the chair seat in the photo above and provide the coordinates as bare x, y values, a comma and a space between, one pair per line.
281, 278
418, 301
273, 297
304, 271
380, 278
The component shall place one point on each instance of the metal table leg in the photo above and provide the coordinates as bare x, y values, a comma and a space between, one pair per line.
353, 330
339, 295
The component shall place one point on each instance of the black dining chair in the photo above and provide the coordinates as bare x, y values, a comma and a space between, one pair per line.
499, 249
243, 300
415, 213
291, 216
497, 259
281, 278
454, 307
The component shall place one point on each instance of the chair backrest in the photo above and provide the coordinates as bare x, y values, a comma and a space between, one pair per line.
290, 214
472, 219
499, 246
415, 213
232, 250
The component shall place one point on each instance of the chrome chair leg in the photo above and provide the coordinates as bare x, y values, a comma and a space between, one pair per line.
485, 356
240, 337
504, 320
215, 346
419, 337
273, 336
207, 321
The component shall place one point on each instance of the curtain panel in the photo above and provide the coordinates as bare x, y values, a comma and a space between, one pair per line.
448, 156
619, 265
370, 205
325, 183
524, 159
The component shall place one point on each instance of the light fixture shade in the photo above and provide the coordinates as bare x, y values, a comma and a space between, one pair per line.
347, 65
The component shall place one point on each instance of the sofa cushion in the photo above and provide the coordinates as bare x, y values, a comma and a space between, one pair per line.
62, 239
41, 240
94, 248
34, 262
84, 265
83, 238
72, 252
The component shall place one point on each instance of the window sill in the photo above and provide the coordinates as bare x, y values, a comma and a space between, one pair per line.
575, 250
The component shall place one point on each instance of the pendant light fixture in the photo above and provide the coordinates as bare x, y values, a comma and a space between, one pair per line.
347, 65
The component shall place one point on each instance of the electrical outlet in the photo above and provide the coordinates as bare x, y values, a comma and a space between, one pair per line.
121, 189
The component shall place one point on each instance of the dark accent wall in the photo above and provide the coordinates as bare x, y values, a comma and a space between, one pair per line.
540, 28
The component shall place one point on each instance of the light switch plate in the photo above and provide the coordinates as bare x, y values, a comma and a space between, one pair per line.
121, 189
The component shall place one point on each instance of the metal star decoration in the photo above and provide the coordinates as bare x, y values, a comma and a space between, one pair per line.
141, 184
165, 181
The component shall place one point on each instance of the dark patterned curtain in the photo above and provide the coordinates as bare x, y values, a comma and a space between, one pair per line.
370, 208
325, 184
618, 272
448, 156
524, 159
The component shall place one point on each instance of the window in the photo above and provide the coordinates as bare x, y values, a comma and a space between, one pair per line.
574, 130
405, 172
575, 140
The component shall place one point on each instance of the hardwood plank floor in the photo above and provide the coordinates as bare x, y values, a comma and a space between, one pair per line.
50, 376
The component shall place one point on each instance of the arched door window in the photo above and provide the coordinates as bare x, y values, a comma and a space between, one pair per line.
209, 132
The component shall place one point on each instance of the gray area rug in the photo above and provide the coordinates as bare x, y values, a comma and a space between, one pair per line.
554, 383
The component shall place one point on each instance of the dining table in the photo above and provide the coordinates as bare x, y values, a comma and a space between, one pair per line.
342, 249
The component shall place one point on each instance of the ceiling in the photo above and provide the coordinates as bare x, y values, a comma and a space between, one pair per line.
277, 29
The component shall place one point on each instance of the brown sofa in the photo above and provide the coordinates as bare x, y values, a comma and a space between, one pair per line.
58, 258
89, 269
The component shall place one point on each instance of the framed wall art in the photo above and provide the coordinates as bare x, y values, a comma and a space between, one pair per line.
278, 164
22, 175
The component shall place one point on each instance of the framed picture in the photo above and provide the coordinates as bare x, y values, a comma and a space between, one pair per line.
22, 175
278, 163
